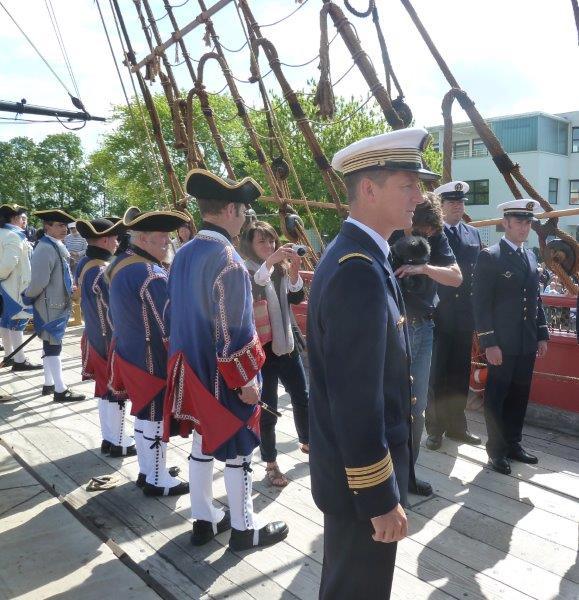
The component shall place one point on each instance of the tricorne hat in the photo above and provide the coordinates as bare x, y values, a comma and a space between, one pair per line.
524, 207
453, 190
204, 185
12, 210
399, 150
99, 228
54, 215
153, 220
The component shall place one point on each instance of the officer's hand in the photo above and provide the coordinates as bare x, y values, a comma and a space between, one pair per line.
494, 356
391, 527
542, 349
249, 394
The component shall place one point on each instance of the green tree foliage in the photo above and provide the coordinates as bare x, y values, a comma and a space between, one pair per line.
130, 176
49, 174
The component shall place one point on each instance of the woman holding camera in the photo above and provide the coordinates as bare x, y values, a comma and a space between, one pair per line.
274, 269
418, 278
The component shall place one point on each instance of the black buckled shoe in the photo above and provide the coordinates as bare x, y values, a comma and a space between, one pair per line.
203, 530
25, 366
68, 396
142, 478
8, 362
521, 455
434, 442
47, 390
105, 447
120, 451
156, 490
272, 533
500, 465
466, 437
422, 488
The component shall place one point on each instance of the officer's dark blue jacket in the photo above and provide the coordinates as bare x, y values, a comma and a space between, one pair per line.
507, 302
454, 310
360, 388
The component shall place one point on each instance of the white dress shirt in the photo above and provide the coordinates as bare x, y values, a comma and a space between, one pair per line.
380, 241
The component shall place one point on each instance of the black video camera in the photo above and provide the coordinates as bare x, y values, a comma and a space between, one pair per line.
411, 250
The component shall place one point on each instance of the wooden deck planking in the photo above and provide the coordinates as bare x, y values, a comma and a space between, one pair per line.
483, 535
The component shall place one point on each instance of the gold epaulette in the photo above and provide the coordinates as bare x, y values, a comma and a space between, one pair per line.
370, 476
354, 255
485, 333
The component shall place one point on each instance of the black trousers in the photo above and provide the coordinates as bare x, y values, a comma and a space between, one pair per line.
355, 566
449, 379
506, 399
288, 369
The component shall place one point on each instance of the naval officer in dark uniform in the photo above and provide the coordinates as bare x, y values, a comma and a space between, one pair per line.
360, 384
511, 327
453, 328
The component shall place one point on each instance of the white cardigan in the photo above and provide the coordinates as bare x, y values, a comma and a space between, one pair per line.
14, 266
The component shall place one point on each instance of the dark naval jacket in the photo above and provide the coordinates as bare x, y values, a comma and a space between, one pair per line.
507, 302
454, 310
360, 387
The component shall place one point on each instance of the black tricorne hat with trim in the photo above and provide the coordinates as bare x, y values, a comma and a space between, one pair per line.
54, 215
12, 210
204, 185
153, 220
99, 228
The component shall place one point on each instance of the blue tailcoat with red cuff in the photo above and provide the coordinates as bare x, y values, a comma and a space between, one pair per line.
138, 359
213, 348
94, 301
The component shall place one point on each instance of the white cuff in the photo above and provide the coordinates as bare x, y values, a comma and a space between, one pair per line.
297, 286
251, 382
263, 274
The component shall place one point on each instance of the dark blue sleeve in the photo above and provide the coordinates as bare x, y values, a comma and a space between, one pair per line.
441, 254
355, 331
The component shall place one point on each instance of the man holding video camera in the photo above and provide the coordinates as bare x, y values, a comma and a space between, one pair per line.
422, 259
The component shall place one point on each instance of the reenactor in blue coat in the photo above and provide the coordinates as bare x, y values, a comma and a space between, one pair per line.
93, 287
511, 327
453, 328
360, 385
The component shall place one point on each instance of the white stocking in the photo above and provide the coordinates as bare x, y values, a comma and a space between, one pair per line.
143, 455
48, 380
6, 340
17, 338
103, 418
201, 485
55, 366
158, 474
117, 423
239, 484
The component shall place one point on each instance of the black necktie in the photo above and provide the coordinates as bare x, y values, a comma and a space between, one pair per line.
523, 257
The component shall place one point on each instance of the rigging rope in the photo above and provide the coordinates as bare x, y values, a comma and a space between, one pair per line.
287, 16
275, 126
60, 40
147, 158
35, 48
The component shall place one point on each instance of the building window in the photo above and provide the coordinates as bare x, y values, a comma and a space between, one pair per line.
575, 140
478, 192
479, 148
461, 149
436, 147
553, 190
574, 191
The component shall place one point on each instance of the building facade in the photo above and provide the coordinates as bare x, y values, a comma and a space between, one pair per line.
545, 145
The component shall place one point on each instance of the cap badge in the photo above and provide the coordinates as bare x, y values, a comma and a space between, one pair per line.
458, 187
507, 274
530, 206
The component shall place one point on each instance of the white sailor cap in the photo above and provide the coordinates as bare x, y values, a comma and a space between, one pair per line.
399, 150
520, 208
453, 190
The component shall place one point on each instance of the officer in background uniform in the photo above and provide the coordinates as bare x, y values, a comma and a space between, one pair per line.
360, 370
511, 327
453, 328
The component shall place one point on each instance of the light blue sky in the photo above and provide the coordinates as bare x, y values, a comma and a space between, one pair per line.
511, 56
